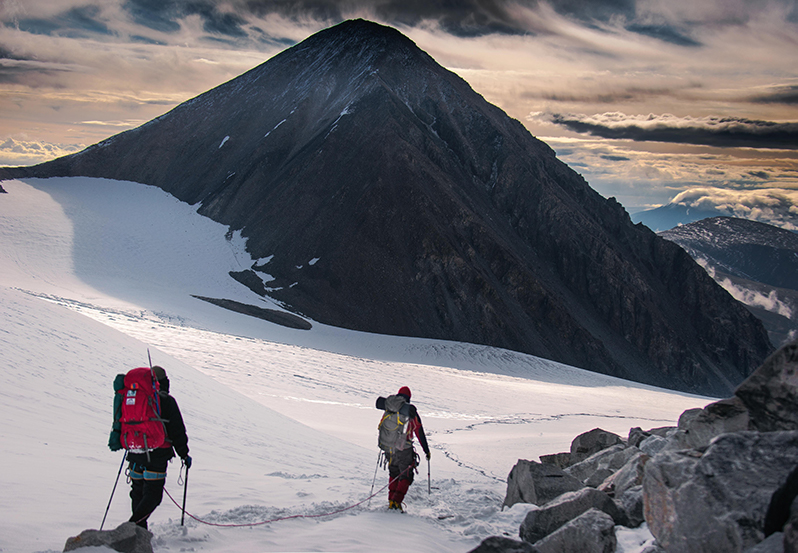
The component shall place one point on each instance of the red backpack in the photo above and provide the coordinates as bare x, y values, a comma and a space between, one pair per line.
141, 426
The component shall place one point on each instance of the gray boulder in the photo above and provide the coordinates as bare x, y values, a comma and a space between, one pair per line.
631, 501
559, 460
653, 445
500, 544
126, 538
663, 431
541, 522
715, 502
610, 459
771, 393
636, 435
791, 530
628, 476
698, 427
536, 483
590, 532
774, 543
592, 442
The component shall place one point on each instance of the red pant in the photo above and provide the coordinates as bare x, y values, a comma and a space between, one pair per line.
401, 472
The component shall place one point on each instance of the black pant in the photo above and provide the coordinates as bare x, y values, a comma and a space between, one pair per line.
146, 490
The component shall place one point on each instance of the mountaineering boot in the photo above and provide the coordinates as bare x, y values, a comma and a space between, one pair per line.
395, 505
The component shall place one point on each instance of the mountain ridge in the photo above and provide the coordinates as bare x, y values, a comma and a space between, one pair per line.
430, 213
755, 261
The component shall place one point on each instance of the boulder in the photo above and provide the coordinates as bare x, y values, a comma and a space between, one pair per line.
791, 530
699, 427
780, 507
541, 522
772, 544
663, 431
610, 459
590, 532
592, 442
536, 483
628, 476
559, 460
715, 502
636, 435
653, 445
631, 501
597, 478
500, 544
771, 393
126, 538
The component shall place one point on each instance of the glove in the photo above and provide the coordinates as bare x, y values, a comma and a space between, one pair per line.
187, 461
114, 441
429, 454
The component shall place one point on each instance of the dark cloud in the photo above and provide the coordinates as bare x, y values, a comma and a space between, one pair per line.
16, 69
322, 10
595, 10
165, 15
630, 94
78, 22
713, 131
158, 15
665, 33
780, 95
615, 158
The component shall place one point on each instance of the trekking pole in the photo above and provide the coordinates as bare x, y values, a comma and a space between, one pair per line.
375, 477
185, 489
429, 483
114, 490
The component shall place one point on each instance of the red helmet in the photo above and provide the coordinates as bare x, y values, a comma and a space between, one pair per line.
404, 391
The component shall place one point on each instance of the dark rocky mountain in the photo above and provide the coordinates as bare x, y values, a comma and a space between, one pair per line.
756, 261
390, 197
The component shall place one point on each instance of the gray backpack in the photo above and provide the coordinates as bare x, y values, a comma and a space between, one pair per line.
393, 426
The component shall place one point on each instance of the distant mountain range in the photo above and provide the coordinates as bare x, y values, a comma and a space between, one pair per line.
383, 194
756, 262
672, 215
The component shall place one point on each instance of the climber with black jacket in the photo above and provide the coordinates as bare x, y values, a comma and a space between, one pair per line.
147, 471
397, 427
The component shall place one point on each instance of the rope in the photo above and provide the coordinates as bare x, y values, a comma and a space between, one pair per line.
338, 511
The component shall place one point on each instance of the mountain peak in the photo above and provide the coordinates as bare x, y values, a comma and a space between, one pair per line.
429, 212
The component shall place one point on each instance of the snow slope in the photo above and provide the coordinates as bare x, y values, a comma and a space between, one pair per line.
94, 273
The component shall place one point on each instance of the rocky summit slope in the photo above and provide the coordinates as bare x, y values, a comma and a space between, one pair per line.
390, 197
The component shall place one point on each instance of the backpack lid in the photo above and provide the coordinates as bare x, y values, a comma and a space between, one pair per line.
394, 403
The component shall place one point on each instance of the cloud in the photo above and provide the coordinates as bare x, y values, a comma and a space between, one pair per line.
755, 298
77, 22
787, 94
18, 153
778, 207
709, 131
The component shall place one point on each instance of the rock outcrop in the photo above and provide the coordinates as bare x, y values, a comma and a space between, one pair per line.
715, 501
722, 481
537, 483
125, 538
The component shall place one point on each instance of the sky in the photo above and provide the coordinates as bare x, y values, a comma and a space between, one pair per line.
646, 99
281, 422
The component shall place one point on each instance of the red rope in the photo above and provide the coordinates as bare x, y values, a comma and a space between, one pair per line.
285, 517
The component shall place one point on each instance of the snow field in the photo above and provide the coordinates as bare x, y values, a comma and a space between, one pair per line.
281, 422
